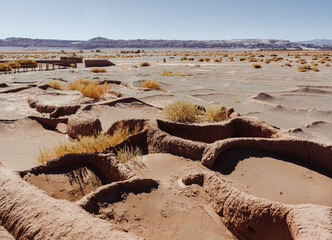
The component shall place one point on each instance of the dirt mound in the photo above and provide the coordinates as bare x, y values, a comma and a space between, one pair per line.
316, 124
248, 217
262, 96
311, 90
55, 110
29, 213
78, 126
156, 204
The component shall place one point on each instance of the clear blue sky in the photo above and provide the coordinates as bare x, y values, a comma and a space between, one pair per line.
166, 19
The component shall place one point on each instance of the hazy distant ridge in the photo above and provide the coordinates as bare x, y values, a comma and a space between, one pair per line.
100, 42
318, 42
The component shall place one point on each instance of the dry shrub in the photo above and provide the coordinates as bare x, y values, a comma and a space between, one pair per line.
328, 65
288, 64
197, 65
216, 113
89, 88
170, 74
256, 65
145, 64
98, 70
14, 65
182, 111
267, 60
4, 67
302, 61
152, 84
128, 153
191, 59
95, 91
56, 84
304, 68
86, 144
201, 60
27, 63
184, 58
315, 69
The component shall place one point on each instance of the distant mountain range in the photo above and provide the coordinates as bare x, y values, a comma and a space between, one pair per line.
100, 42
318, 42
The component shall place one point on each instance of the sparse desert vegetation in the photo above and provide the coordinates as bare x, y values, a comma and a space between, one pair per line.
215, 113
257, 66
304, 68
56, 84
98, 70
85, 144
128, 153
171, 74
89, 88
182, 111
195, 128
152, 84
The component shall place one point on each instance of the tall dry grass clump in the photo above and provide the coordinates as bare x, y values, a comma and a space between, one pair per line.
89, 88
56, 84
182, 111
152, 84
86, 144
98, 70
127, 153
4, 67
215, 113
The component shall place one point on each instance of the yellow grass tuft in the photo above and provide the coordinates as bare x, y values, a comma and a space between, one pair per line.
170, 74
85, 144
304, 68
27, 63
98, 70
89, 88
4, 67
215, 113
127, 153
315, 69
152, 84
182, 111
56, 84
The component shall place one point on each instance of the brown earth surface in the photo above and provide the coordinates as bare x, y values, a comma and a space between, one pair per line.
237, 179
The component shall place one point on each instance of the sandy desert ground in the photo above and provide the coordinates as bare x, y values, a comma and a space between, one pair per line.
276, 174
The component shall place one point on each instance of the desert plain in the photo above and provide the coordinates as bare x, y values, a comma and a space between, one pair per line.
262, 172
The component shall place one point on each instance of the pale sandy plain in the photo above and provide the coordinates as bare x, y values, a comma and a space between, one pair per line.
299, 103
